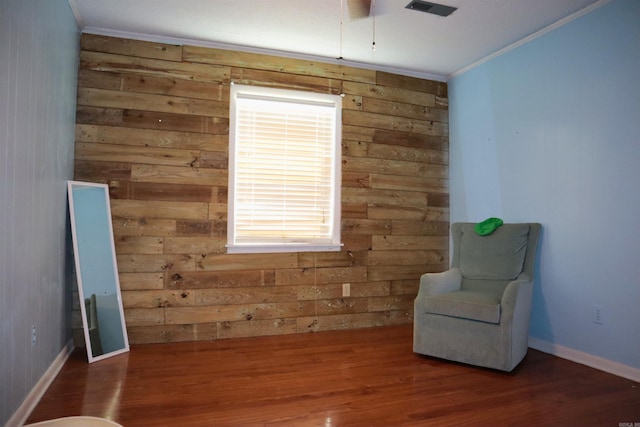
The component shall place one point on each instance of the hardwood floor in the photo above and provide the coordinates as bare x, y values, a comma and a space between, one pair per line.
367, 377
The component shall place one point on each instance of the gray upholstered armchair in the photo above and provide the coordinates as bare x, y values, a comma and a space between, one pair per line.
478, 311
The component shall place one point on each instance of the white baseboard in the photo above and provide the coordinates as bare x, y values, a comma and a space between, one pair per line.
590, 360
34, 396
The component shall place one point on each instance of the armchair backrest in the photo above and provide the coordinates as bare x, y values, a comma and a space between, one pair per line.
495, 259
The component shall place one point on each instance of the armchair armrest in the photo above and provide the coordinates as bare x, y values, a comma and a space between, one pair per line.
518, 293
435, 284
440, 283
515, 314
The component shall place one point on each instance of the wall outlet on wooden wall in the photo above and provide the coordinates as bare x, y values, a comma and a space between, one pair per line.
346, 289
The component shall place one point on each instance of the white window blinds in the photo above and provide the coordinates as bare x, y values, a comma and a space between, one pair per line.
284, 174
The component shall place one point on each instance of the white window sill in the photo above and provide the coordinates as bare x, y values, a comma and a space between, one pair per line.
275, 248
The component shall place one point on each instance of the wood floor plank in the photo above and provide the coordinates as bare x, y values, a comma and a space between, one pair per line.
341, 378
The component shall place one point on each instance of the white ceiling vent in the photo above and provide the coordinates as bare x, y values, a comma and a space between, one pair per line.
428, 7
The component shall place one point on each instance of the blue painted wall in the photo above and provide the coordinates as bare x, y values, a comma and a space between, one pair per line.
550, 132
39, 48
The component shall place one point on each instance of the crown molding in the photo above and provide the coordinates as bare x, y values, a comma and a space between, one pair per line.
530, 37
76, 13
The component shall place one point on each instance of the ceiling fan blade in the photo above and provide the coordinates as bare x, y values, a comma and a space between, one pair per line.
359, 9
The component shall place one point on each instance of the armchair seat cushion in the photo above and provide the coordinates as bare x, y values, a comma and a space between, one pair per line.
472, 305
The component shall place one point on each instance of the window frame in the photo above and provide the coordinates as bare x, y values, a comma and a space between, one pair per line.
327, 243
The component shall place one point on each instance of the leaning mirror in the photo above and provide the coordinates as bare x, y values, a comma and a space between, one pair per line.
105, 332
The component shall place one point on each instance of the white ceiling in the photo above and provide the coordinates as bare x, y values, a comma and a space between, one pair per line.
407, 42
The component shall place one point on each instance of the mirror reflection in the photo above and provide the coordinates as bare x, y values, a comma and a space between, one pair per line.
95, 259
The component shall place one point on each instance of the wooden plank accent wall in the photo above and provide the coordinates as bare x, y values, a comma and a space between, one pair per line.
153, 124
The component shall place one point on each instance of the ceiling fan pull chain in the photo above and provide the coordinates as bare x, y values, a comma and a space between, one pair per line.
341, 22
373, 16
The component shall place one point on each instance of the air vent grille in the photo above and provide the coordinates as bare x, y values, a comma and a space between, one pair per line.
433, 8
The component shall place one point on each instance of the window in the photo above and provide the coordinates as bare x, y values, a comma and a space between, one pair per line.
284, 171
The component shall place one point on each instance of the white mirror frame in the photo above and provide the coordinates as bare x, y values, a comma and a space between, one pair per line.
97, 270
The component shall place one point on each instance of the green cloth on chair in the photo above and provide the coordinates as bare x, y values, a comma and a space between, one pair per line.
488, 226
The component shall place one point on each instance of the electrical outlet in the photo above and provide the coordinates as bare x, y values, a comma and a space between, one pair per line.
34, 336
346, 289
597, 315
